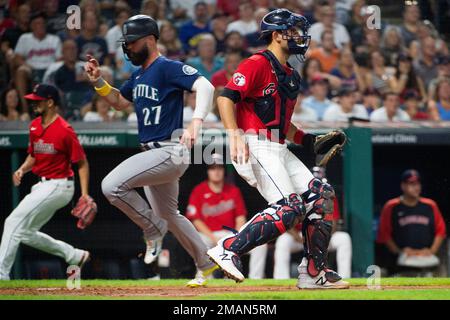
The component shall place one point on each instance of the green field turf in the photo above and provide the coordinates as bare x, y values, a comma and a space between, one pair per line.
410, 289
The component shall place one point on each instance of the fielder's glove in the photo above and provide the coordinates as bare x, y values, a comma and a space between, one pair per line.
85, 210
329, 145
325, 146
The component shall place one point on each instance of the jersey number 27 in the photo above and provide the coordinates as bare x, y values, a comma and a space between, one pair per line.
148, 112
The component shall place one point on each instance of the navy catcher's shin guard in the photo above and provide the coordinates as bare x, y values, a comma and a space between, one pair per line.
316, 235
267, 225
317, 232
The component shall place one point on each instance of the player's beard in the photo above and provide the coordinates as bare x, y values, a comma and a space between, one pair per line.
138, 58
37, 112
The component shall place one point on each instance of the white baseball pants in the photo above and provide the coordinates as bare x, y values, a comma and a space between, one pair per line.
32, 213
274, 170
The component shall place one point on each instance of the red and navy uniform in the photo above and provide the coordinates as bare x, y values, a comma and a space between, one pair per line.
259, 106
414, 227
54, 148
216, 209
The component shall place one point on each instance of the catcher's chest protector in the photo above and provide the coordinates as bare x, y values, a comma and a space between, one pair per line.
288, 88
288, 85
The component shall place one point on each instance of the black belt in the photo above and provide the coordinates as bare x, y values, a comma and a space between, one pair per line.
155, 145
262, 137
43, 179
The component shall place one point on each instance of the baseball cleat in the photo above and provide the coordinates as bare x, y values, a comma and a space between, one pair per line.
326, 279
153, 250
201, 277
84, 258
228, 261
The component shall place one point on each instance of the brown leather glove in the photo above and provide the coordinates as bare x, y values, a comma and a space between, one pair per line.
329, 145
85, 210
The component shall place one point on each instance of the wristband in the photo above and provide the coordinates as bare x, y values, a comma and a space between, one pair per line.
104, 90
298, 137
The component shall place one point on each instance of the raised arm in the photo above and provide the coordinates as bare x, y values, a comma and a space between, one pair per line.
103, 88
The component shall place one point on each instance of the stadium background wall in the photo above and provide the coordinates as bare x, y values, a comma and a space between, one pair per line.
365, 176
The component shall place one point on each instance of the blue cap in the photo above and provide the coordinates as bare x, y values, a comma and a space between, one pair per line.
410, 176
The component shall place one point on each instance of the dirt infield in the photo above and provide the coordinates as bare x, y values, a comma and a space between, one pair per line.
173, 291
156, 291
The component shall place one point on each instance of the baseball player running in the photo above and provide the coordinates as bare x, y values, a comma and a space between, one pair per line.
53, 148
264, 89
156, 90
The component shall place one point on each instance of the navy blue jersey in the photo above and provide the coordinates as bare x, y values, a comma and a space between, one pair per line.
157, 94
414, 227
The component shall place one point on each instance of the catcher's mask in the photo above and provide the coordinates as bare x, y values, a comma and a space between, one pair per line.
137, 27
293, 27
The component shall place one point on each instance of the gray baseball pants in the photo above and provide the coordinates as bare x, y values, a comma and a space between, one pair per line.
158, 170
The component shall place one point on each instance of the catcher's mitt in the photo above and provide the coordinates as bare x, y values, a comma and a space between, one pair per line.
329, 145
85, 210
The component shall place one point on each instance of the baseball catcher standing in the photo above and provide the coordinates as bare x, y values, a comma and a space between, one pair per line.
53, 148
264, 89
156, 90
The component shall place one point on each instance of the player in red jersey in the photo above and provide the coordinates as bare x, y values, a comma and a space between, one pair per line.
264, 89
52, 150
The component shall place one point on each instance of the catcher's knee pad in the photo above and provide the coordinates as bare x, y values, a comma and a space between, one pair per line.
267, 225
295, 202
319, 198
317, 235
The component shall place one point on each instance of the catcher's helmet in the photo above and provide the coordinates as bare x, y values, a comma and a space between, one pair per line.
283, 20
137, 27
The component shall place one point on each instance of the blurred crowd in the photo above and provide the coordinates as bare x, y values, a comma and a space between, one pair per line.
399, 72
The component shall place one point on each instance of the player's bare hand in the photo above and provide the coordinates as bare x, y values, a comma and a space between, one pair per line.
92, 68
238, 148
190, 134
425, 252
17, 177
409, 251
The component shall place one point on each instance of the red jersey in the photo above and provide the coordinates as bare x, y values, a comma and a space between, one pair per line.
414, 227
55, 148
255, 78
229, 7
216, 209
219, 78
420, 115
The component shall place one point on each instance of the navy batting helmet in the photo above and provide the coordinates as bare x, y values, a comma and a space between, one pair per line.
137, 27
283, 20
